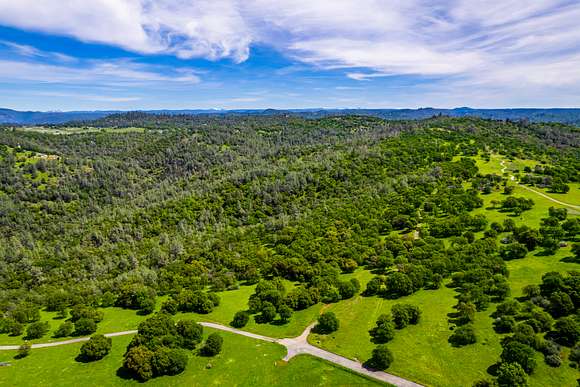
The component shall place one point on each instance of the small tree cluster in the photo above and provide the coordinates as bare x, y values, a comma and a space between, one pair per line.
96, 348
327, 323
405, 314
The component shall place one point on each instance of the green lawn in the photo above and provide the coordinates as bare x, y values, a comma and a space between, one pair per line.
243, 362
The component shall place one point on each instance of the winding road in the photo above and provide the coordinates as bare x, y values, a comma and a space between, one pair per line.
294, 346
575, 209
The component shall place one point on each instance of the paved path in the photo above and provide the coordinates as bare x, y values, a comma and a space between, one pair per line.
295, 346
575, 208
572, 206
64, 342
238, 332
299, 346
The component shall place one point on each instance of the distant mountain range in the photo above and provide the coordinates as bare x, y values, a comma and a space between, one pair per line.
567, 116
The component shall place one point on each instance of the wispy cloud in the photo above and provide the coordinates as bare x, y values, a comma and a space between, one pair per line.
499, 47
122, 72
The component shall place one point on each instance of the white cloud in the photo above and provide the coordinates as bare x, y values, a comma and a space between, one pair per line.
93, 72
527, 45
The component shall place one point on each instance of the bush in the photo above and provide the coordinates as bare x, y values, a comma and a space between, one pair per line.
381, 358
16, 328
511, 375
85, 326
191, 333
327, 323
384, 331
36, 330
96, 348
170, 306
505, 324
575, 354
463, 335
169, 361
553, 360
138, 362
522, 354
213, 345
78, 312
268, 313
240, 320
285, 313
567, 331
65, 329
405, 314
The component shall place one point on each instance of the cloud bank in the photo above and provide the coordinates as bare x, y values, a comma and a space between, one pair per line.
468, 43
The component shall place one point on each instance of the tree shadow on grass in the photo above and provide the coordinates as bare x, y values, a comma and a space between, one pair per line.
492, 369
123, 373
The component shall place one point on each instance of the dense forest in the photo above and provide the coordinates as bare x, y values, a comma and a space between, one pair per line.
191, 205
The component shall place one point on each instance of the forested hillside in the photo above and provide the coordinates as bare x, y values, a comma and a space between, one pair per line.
187, 206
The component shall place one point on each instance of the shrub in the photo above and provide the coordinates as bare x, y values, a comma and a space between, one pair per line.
36, 330
511, 375
96, 348
384, 331
463, 335
85, 326
191, 333
553, 360
567, 331
138, 362
285, 313
505, 324
170, 306
268, 313
405, 314
522, 354
240, 320
381, 358
213, 345
169, 361
327, 323
65, 329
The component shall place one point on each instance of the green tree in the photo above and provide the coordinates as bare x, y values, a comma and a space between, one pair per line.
213, 345
65, 329
268, 313
169, 361
96, 348
36, 330
85, 326
285, 313
522, 354
138, 361
327, 323
384, 331
463, 335
405, 314
567, 331
240, 320
191, 333
381, 358
511, 375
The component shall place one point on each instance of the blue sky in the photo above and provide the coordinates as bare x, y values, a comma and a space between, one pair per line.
186, 54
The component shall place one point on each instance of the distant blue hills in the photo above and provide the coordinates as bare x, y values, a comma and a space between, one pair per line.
562, 115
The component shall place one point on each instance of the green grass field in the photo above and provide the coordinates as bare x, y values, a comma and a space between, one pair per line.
118, 319
243, 362
422, 353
